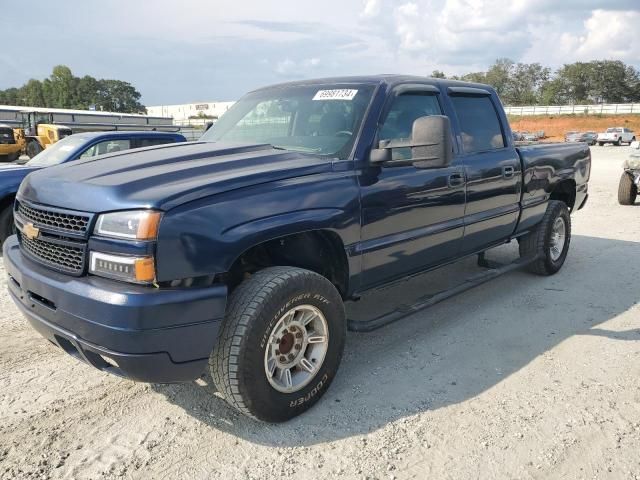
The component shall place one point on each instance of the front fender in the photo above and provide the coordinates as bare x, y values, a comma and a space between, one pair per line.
206, 239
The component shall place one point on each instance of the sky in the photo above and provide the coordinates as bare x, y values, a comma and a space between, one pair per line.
216, 50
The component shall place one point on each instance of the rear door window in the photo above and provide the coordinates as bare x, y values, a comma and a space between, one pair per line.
108, 146
480, 127
150, 142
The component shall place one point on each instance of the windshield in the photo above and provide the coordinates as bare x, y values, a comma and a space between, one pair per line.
319, 119
614, 130
56, 153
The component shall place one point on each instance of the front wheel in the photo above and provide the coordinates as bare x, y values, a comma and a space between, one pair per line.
33, 148
601, 144
618, 142
280, 344
627, 190
549, 242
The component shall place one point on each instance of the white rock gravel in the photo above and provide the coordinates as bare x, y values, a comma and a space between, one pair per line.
525, 377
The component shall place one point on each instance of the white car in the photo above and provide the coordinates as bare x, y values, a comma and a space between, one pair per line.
616, 136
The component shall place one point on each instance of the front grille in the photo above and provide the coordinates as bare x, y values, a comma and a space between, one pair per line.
62, 257
61, 221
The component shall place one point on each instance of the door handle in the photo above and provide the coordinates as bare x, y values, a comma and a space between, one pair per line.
507, 172
455, 180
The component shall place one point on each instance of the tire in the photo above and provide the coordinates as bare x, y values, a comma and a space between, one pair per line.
618, 142
601, 144
33, 148
540, 242
12, 157
633, 139
627, 190
7, 227
249, 333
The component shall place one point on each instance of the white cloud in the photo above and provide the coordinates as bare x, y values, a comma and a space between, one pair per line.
296, 68
371, 8
221, 49
464, 35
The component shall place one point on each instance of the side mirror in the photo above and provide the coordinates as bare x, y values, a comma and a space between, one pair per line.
430, 145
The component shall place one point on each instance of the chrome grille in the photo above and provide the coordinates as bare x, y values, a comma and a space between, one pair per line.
67, 258
58, 220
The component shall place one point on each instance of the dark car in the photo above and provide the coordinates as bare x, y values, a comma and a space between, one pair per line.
589, 138
235, 254
73, 147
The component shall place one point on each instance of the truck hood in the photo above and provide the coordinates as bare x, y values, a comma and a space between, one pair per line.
165, 176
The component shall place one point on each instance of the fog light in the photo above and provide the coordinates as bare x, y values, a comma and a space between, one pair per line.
128, 269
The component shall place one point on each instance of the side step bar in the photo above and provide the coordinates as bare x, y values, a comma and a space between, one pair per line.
494, 270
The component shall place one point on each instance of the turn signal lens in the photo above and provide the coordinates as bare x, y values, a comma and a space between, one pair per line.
127, 269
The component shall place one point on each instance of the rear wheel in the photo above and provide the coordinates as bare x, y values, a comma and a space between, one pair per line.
280, 343
627, 190
619, 142
633, 139
601, 144
549, 242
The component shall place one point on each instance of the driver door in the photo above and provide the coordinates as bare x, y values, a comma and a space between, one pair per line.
412, 218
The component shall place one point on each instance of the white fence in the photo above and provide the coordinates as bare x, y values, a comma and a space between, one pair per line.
604, 109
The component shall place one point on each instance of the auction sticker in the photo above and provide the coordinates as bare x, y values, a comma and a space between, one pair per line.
336, 94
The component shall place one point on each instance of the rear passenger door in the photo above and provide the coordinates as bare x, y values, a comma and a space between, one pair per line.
492, 168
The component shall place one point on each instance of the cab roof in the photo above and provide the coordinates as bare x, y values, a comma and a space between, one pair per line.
389, 80
128, 134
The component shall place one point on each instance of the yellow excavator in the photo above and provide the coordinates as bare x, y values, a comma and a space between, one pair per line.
36, 133
39, 132
10, 146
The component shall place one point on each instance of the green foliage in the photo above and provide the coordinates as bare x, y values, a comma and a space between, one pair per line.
64, 90
598, 81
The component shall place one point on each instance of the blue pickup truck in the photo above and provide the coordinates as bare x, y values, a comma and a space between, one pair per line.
234, 254
73, 147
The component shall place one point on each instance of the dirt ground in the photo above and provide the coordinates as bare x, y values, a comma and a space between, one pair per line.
556, 126
522, 378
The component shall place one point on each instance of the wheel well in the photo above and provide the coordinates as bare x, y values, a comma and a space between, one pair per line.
320, 251
7, 201
565, 191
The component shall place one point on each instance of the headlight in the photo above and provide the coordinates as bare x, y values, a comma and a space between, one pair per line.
132, 224
128, 269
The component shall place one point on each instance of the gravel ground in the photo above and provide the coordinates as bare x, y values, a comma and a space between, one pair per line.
523, 377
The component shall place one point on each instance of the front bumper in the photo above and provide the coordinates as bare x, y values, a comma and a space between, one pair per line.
145, 334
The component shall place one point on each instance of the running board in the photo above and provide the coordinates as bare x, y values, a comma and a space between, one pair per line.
494, 270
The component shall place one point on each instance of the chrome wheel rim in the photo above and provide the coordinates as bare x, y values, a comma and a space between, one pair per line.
296, 348
558, 236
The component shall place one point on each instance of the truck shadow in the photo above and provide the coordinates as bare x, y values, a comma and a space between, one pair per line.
451, 352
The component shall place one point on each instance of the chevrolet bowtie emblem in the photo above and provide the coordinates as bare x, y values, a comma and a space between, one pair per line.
30, 231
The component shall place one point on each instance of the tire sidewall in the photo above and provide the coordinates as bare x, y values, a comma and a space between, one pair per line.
559, 210
271, 405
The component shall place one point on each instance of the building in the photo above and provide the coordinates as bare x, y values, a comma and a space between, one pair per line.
182, 113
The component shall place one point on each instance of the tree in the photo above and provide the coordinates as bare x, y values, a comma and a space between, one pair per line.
499, 75
118, 96
64, 90
526, 83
